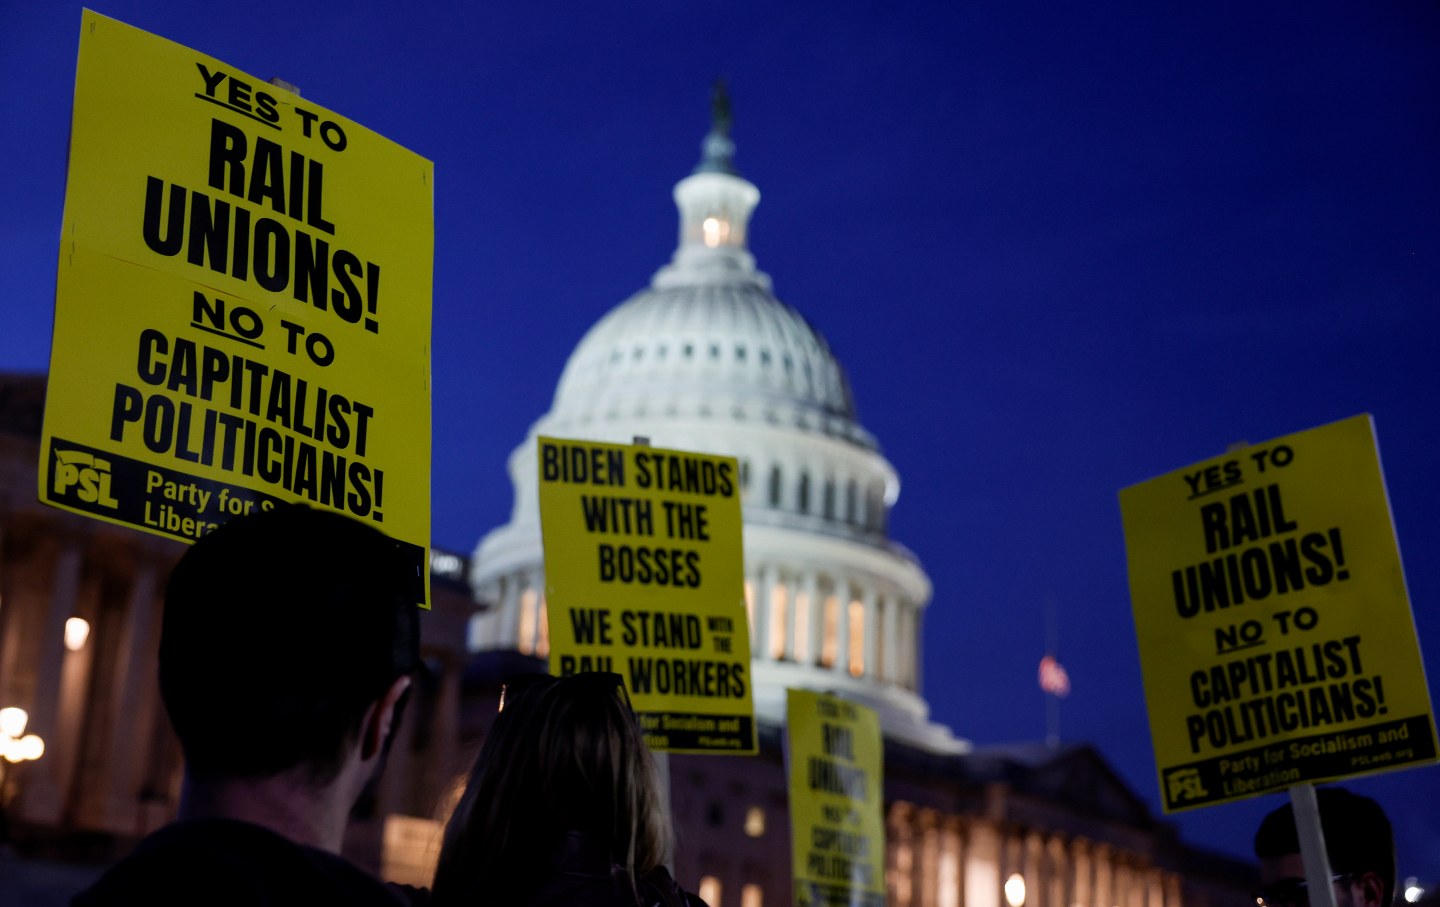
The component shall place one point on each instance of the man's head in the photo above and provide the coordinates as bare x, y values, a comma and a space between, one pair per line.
1358, 841
282, 629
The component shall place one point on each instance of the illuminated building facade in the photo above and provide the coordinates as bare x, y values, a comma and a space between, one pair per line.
80, 604
707, 358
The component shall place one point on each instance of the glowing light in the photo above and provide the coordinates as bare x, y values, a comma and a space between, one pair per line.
30, 747
754, 822
710, 890
12, 721
1015, 890
1413, 893
77, 631
716, 231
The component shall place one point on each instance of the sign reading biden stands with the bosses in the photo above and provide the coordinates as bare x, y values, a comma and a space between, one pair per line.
644, 576
242, 309
1276, 638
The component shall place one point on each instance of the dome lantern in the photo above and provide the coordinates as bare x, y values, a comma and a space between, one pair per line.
715, 204
708, 359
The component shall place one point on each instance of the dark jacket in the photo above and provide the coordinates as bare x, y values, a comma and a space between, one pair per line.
583, 876
227, 863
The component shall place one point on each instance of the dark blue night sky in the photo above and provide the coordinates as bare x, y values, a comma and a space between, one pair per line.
1060, 248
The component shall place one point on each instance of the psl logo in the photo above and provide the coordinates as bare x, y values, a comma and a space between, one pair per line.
83, 475
1185, 784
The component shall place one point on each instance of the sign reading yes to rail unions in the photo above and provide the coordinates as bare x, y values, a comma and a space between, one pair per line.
837, 827
242, 311
1276, 638
644, 576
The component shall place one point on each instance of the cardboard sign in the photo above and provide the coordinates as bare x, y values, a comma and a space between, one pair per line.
836, 795
1275, 632
242, 310
644, 576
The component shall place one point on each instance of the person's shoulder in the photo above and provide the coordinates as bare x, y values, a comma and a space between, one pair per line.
658, 889
225, 863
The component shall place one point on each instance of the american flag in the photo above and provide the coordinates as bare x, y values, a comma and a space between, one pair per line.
1053, 678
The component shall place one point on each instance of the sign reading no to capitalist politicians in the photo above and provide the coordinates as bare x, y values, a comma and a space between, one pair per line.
242, 311
1276, 639
836, 791
644, 576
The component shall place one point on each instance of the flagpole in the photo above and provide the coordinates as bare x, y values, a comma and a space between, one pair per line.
1052, 701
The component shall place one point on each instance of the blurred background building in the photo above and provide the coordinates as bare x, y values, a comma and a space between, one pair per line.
706, 358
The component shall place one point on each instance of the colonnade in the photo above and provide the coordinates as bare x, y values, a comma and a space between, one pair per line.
814, 618
940, 860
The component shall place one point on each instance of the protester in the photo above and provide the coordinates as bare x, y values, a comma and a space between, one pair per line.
1358, 841
287, 646
563, 806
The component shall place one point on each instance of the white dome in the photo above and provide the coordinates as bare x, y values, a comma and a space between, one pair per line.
708, 359
691, 345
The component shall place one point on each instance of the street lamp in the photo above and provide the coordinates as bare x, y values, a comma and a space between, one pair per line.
15, 748
77, 630
1015, 890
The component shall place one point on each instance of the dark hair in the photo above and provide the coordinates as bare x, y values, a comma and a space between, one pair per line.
281, 627
564, 757
1358, 838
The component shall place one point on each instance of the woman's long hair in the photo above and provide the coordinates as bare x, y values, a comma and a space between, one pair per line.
565, 755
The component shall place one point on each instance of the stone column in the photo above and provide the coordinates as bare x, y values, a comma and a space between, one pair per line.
814, 617
1104, 877
1036, 872
792, 616
871, 607
763, 591
928, 866
843, 596
11, 626
1082, 888
1174, 888
917, 657
133, 700
983, 865
1057, 863
43, 794
947, 869
891, 658
514, 593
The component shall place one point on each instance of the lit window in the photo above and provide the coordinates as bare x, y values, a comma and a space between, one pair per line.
857, 639
778, 621
754, 824
751, 896
709, 890
802, 627
542, 647
716, 231
830, 643
949, 877
749, 606
526, 642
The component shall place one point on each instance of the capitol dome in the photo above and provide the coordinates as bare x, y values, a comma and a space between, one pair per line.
708, 359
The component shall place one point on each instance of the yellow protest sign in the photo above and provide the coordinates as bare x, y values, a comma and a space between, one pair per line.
836, 801
644, 576
242, 311
1276, 638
